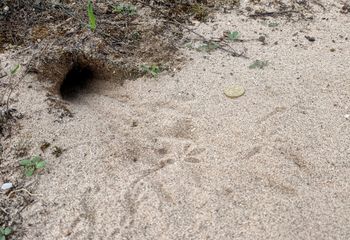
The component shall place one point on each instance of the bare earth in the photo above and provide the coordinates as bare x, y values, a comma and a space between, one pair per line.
174, 158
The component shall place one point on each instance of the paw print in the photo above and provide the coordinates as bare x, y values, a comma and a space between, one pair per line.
192, 154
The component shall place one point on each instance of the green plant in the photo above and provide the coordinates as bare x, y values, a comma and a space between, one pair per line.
208, 47
125, 9
14, 69
5, 231
258, 64
273, 24
31, 165
189, 45
91, 15
153, 69
232, 36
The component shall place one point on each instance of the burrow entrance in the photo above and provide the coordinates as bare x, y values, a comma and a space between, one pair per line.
73, 74
76, 81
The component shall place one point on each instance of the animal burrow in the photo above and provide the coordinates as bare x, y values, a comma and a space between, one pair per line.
76, 81
72, 74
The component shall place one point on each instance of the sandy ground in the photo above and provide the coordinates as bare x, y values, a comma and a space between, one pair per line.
173, 158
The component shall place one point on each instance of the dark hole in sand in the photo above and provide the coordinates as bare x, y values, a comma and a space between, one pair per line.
76, 81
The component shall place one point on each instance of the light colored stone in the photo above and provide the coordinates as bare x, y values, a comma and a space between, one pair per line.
6, 186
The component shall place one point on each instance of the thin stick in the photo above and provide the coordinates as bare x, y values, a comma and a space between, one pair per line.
266, 14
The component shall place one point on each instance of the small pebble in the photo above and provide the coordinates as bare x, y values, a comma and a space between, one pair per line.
6, 186
347, 116
6, 9
262, 39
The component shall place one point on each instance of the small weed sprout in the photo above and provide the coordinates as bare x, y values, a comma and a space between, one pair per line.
208, 47
258, 64
125, 9
233, 36
14, 69
4, 232
189, 45
91, 15
153, 69
273, 24
31, 165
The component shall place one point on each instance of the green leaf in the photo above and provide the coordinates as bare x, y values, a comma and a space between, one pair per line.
14, 70
29, 171
258, 64
153, 69
208, 47
2, 237
273, 24
25, 162
145, 68
7, 231
36, 159
232, 36
91, 15
117, 9
126, 9
41, 164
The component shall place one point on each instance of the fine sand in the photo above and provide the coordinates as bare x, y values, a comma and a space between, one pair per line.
173, 158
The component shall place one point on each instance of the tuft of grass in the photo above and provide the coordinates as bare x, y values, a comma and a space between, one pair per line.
125, 9
200, 11
153, 69
91, 15
31, 165
258, 64
4, 232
